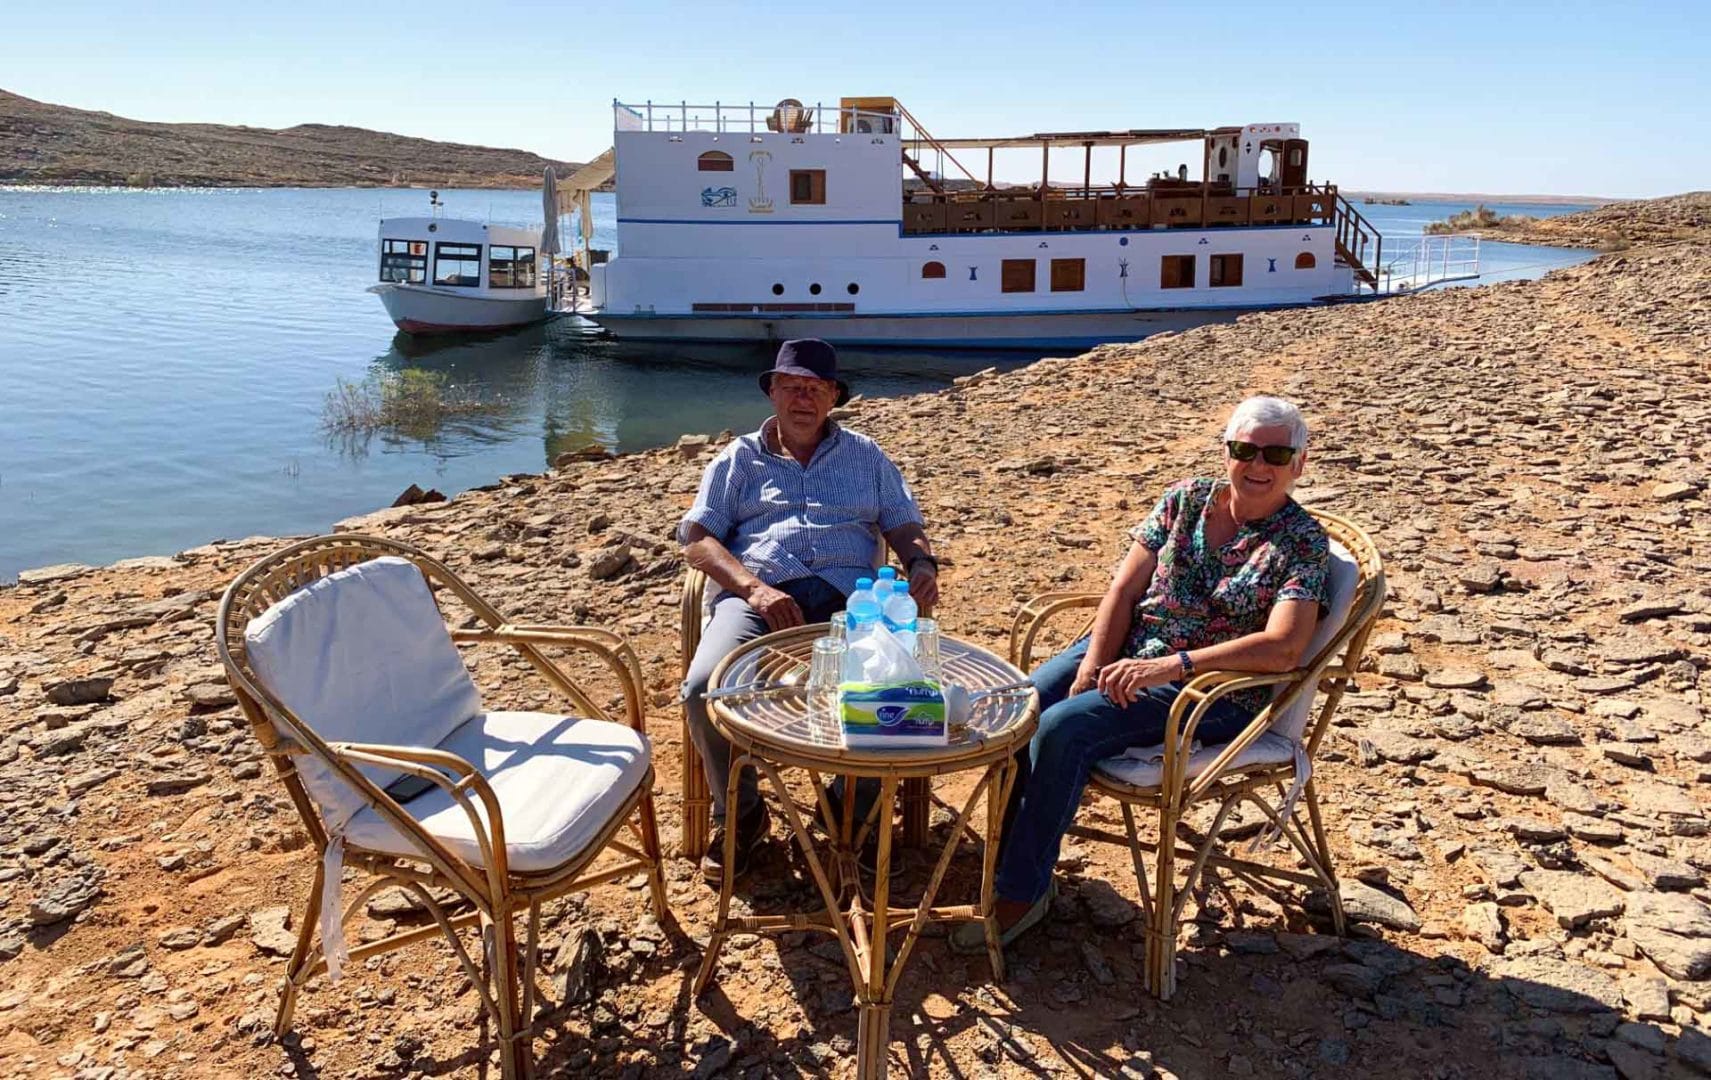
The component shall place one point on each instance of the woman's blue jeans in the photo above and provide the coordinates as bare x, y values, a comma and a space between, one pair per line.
1074, 734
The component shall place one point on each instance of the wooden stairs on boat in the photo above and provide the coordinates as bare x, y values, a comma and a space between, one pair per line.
1357, 240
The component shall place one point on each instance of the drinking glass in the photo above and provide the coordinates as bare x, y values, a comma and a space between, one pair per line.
927, 648
824, 673
839, 628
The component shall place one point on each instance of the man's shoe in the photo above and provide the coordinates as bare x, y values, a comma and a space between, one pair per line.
970, 938
751, 833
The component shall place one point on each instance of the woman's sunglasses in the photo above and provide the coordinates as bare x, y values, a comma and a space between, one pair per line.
1247, 451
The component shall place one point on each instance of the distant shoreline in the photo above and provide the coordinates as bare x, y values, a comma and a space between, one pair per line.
1486, 197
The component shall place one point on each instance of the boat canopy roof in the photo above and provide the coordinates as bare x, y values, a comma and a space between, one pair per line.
1131, 137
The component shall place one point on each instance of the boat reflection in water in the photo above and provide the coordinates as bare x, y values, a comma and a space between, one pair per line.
576, 388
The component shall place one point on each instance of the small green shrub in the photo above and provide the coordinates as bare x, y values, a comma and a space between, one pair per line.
1480, 217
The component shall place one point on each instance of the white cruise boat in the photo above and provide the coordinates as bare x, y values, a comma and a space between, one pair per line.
746, 223
445, 275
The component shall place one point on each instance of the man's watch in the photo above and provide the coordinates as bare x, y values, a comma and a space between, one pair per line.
922, 558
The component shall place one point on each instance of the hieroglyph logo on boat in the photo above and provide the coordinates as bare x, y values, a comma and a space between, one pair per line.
719, 196
760, 203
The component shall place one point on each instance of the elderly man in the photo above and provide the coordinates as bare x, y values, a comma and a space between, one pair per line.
786, 520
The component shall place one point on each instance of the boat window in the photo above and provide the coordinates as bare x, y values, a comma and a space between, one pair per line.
808, 187
1176, 272
1226, 270
933, 270
1017, 275
457, 264
404, 260
510, 267
1069, 275
1305, 261
714, 161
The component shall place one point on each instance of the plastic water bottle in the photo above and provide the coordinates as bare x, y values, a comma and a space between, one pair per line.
862, 609
901, 612
900, 609
888, 574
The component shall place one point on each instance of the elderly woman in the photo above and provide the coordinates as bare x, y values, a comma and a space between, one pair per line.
1225, 574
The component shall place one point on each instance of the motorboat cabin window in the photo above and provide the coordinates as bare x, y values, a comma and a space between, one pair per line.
1305, 261
807, 187
1069, 275
715, 161
1017, 275
1176, 272
510, 267
1226, 270
404, 261
457, 264
932, 270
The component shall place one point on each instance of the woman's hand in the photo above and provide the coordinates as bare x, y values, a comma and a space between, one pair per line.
1123, 680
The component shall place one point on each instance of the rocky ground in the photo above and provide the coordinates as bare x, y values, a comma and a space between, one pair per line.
1614, 226
1517, 794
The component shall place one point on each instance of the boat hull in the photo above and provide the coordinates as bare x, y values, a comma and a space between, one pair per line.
1022, 331
417, 309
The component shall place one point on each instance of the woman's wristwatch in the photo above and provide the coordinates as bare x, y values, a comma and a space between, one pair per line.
1187, 664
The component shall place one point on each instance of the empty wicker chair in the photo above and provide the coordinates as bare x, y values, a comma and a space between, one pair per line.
352, 682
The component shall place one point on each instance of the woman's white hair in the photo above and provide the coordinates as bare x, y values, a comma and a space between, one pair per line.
1269, 412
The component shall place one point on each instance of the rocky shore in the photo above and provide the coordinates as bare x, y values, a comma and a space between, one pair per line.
1678, 219
1517, 793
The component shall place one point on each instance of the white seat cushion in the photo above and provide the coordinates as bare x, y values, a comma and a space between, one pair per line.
1344, 573
1148, 770
559, 781
362, 655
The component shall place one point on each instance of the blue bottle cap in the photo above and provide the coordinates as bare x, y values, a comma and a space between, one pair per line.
889, 573
864, 583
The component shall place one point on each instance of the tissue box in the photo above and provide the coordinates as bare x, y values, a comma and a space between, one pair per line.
892, 714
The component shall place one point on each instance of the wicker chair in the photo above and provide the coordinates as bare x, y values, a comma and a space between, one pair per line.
694, 612
341, 637
1274, 753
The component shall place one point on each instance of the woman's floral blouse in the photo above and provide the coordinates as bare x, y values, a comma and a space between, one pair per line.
1200, 597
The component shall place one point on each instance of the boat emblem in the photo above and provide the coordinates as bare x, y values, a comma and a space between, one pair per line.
721, 196
1122, 268
760, 202
971, 273
1271, 266
1204, 241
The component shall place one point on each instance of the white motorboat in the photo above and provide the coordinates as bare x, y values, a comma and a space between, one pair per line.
444, 275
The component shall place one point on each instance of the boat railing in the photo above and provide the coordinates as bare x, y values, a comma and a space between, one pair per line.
787, 117
1413, 263
1154, 204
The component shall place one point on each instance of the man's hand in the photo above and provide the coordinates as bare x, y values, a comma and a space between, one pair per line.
924, 585
1123, 680
1085, 676
775, 606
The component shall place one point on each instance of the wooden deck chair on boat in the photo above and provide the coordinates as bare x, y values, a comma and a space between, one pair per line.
1272, 757
343, 663
695, 609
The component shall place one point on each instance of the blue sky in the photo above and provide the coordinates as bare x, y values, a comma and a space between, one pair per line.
1559, 98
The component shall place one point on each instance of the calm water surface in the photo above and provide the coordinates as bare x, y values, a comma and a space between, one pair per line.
165, 358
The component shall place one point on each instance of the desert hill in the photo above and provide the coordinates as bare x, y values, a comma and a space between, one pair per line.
54, 144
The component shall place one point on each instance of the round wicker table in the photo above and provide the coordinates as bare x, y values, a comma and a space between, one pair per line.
775, 731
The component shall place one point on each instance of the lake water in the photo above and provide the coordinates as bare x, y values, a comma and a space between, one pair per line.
166, 355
